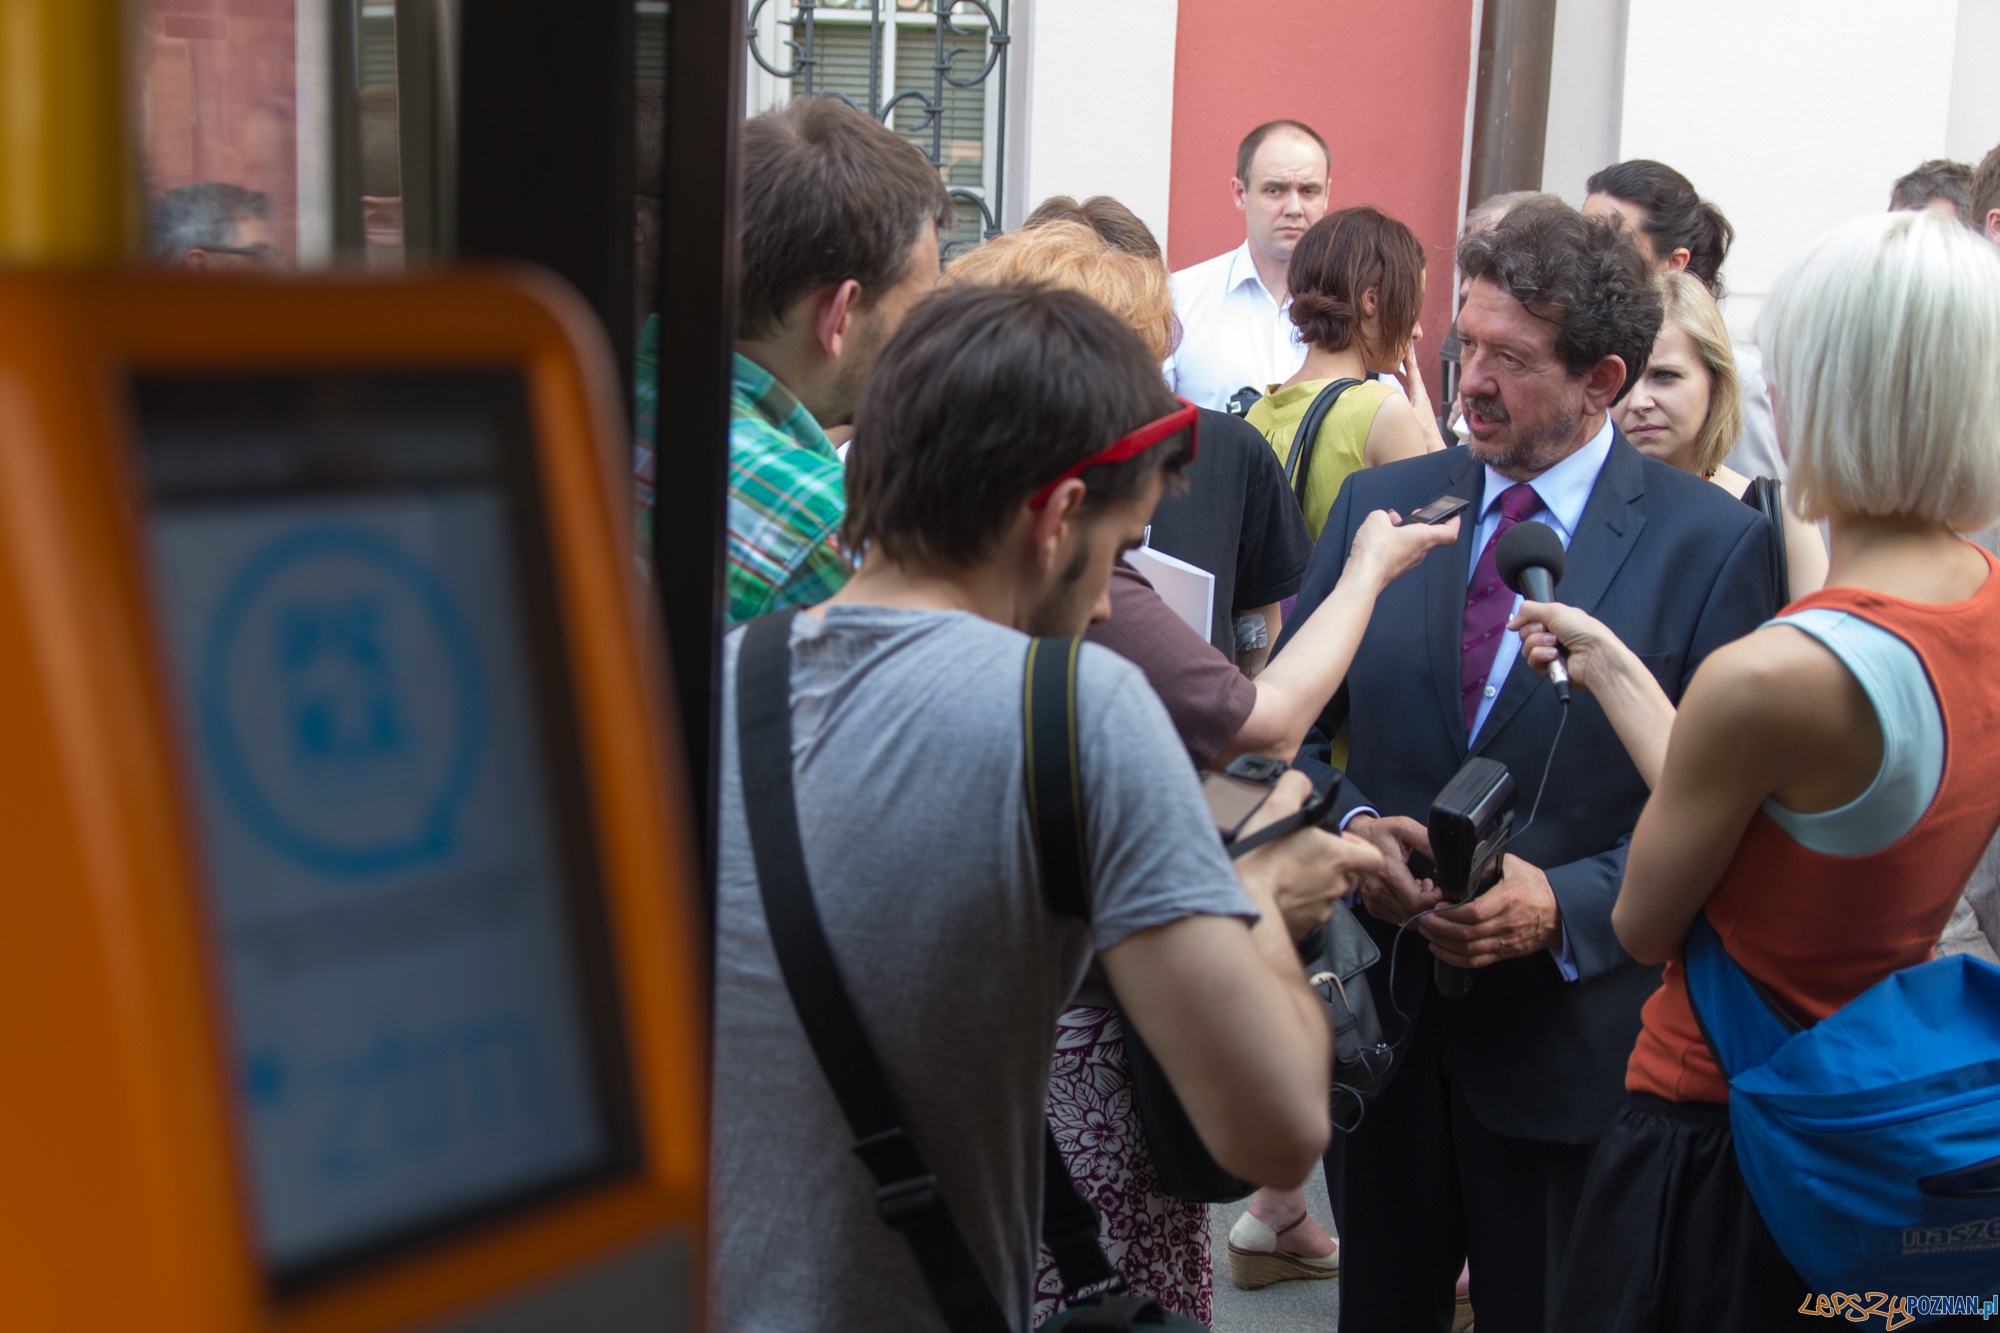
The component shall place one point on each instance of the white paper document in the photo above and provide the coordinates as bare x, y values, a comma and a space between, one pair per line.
1188, 589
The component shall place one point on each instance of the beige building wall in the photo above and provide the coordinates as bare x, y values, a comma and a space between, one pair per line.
1792, 115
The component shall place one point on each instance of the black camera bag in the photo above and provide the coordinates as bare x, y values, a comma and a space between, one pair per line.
1337, 957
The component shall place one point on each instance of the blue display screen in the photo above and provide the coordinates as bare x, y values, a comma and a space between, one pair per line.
358, 616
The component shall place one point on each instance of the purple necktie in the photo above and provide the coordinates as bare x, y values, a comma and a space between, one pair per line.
1487, 602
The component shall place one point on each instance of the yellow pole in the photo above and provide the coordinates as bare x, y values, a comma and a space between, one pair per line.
68, 190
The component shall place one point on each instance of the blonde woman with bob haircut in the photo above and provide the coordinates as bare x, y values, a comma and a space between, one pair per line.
1830, 780
1687, 411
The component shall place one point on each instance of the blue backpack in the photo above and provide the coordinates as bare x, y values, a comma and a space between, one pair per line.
1870, 1141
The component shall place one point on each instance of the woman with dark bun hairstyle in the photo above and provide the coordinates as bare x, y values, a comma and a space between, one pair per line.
1675, 227
1357, 280
1678, 230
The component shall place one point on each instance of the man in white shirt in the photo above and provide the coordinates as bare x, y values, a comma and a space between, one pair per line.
1235, 309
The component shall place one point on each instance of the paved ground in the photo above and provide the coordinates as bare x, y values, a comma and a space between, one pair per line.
1288, 1307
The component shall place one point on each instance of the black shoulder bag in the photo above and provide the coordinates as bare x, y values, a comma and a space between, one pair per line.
1767, 496
907, 1195
1298, 467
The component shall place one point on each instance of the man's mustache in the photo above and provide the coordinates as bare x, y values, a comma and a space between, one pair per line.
1489, 408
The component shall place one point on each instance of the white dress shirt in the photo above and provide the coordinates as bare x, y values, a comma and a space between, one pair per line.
1233, 332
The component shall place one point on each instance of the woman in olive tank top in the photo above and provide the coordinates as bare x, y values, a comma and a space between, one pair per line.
1357, 282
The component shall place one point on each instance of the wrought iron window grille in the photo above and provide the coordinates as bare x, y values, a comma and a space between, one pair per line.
929, 134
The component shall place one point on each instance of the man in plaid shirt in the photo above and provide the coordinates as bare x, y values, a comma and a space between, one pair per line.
840, 238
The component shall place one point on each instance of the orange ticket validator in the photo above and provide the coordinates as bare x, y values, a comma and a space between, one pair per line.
350, 973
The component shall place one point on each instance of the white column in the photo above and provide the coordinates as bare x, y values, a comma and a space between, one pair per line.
1973, 125
1096, 110
762, 90
1586, 94
312, 30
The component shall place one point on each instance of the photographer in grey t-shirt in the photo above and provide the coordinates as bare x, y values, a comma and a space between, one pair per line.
985, 506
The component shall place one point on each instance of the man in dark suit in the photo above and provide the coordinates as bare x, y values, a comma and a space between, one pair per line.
1480, 1144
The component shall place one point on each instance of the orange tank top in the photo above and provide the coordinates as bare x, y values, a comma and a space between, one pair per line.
1819, 929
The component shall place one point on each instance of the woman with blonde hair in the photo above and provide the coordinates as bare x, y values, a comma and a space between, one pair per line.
1828, 781
1687, 411
1069, 254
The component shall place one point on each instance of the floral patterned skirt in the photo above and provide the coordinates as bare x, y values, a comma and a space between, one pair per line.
1158, 1242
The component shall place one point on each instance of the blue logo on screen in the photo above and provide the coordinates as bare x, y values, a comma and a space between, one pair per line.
342, 706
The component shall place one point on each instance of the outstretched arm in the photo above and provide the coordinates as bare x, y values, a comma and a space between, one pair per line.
1294, 688
1227, 1011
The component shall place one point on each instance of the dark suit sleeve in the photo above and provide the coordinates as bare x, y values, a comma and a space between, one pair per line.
1740, 600
1323, 571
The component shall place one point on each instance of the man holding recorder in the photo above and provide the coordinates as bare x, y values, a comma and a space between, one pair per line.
1479, 1146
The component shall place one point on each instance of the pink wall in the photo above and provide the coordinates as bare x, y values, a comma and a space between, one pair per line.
1383, 80
217, 100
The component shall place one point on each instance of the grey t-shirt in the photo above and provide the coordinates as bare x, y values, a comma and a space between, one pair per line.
907, 753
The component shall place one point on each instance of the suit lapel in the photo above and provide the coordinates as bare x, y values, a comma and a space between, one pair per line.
1605, 535
1444, 598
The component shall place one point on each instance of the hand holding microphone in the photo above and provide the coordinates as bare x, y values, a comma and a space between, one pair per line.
1553, 634
1530, 558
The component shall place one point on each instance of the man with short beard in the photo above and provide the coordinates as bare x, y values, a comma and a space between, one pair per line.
1011, 444
1480, 1144
840, 238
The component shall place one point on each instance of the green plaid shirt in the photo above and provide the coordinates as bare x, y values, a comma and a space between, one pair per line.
787, 496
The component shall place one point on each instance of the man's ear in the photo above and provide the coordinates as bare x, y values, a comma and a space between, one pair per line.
1052, 522
1602, 382
833, 319
1678, 260
1240, 193
1993, 225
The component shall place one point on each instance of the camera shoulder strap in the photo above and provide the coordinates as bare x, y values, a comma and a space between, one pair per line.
907, 1194
1055, 817
1055, 777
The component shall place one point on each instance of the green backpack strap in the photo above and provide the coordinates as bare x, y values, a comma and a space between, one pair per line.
1299, 466
1055, 782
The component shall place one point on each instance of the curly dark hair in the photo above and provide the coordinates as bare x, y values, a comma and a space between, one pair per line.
1675, 215
1587, 278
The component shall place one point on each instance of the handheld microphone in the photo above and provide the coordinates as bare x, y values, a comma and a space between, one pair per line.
1530, 558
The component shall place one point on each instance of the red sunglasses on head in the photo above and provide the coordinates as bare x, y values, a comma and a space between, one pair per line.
1186, 417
